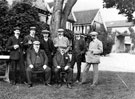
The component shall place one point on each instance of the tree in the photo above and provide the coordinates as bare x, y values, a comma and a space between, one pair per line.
126, 7
61, 11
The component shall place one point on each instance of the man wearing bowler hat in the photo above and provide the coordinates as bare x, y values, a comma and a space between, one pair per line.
93, 58
60, 40
15, 47
79, 48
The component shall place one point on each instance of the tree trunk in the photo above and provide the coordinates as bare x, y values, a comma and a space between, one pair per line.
60, 15
56, 16
66, 11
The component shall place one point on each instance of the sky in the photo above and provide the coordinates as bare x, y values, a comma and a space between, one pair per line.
110, 14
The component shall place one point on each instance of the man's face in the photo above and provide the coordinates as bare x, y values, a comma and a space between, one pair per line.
60, 33
62, 50
17, 32
93, 37
45, 35
32, 32
77, 36
36, 46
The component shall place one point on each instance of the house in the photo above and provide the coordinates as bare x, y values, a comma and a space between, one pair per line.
43, 9
120, 31
88, 20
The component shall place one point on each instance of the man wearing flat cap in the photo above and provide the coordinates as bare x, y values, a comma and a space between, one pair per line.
93, 58
61, 63
37, 61
28, 40
79, 49
15, 47
48, 46
60, 40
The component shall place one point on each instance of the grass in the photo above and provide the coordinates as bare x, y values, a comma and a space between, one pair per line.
109, 87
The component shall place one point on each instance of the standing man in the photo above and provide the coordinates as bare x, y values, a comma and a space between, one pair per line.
93, 58
79, 48
37, 62
48, 46
61, 40
14, 45
28, 40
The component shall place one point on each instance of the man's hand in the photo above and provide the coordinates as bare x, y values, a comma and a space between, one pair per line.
66, 67
16, 46
29, 42
45, 66
31, 66
58, 67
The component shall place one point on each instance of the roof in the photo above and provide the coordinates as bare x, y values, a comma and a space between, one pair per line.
71, 17
120, 23
85, 17
40, 4
51, 4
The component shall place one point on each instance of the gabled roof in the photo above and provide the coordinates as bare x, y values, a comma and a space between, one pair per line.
40, 4
51, 4
120, 23
85, 17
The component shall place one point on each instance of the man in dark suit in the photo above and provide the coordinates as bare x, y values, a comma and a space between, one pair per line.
79, 48
15, 47
61, 63
28, 40
37, 62
47, 45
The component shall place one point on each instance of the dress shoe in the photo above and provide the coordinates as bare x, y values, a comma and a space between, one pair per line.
47, 84
93, 85
59, 85
69, 86
30, 85
13, 82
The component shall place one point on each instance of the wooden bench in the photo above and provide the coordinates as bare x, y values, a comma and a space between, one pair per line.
6, 76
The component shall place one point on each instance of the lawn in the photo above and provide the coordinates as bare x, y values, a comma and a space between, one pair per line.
109, 87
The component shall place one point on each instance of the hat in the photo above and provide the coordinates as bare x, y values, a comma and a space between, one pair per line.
45, 32
36, 42
33, 28
60, 30
77, 32
17, 28
94, 33
63, 47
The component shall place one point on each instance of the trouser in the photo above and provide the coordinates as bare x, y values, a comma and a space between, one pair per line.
95, 73
13, 71
69, 75
47, 74
77, 58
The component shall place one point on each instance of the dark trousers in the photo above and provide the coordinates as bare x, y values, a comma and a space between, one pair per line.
69, 73
13, 71
78, 59
46, 72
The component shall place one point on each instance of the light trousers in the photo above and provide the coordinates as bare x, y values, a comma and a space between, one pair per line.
95, 72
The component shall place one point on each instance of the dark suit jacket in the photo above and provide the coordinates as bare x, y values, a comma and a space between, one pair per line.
26, 39
31, 57
81, 46
14, 53
58, 58
51, 48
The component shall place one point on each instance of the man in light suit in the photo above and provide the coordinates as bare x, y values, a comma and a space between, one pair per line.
93, 58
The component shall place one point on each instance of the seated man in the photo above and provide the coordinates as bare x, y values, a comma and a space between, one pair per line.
61, 62
37, 62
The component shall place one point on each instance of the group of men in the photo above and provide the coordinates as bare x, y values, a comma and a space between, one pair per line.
50, 57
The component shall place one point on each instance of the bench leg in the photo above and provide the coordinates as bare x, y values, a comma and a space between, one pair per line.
7, 74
